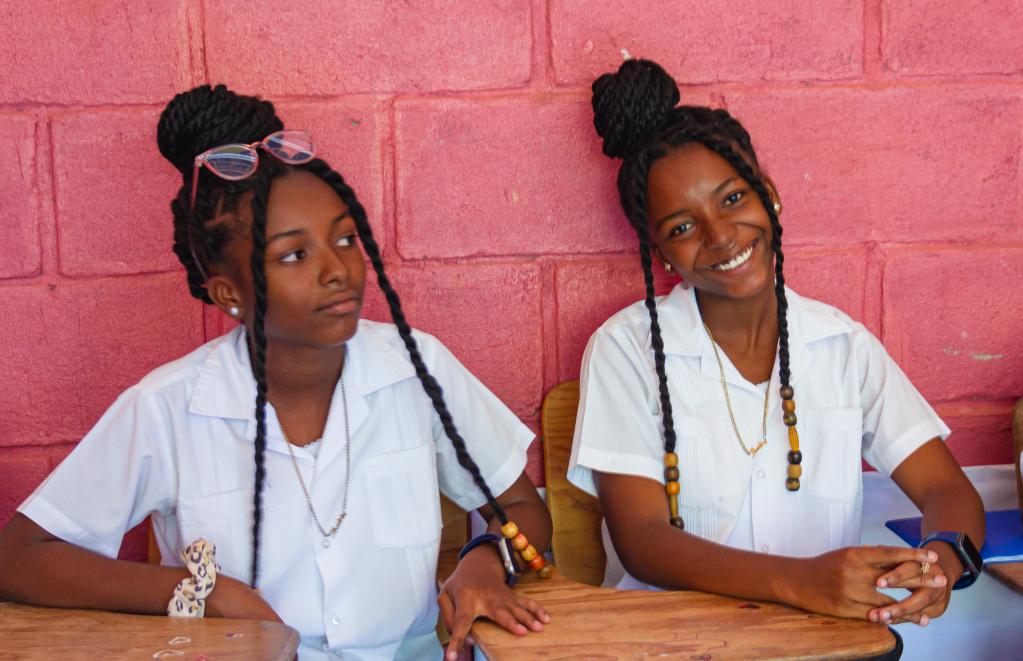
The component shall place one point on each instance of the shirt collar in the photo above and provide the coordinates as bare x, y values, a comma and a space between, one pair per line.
683, 332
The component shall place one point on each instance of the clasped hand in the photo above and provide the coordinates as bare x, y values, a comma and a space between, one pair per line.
846, 583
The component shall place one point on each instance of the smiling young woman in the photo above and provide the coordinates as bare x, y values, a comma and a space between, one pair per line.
693, 396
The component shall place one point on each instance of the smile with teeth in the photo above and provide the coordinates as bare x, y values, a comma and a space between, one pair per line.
736, 261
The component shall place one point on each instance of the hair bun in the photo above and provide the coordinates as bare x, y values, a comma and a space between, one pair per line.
631, 104
204, 117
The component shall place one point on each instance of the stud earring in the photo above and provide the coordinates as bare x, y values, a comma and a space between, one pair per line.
234, 311
667, 267
777, 208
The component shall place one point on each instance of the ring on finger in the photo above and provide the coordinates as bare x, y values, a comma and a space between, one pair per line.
925, 568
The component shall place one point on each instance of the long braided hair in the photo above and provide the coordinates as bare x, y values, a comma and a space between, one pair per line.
635, 111
206, 117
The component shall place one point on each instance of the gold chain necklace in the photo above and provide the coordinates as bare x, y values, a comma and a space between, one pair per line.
728, 402
328, 535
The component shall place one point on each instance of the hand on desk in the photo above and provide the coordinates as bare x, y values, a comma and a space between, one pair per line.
845, 582
477, 589
929, 593
232, 598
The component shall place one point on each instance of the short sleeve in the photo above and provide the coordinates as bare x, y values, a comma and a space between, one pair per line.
618, 426
897, 420
496, 439
117, 475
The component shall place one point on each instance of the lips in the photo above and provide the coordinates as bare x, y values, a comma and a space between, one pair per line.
340, 304
737, 260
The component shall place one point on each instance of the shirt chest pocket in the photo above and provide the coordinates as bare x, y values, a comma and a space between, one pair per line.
225, 519
711, 466
404, 502
831, 441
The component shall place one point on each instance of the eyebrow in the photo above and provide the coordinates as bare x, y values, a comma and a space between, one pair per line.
297, 231
713, 193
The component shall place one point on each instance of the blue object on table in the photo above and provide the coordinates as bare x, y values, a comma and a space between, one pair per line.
1002, 543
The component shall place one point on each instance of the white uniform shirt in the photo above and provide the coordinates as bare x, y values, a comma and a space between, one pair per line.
179, 444
852, 401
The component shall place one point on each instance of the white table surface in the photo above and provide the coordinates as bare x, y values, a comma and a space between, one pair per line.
984, 621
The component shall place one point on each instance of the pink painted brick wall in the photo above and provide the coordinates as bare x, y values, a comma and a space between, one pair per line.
893, 130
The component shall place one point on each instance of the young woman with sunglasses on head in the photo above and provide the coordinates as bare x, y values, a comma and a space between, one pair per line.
355, 427
693, 396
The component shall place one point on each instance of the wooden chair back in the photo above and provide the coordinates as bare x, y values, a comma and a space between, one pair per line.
1017, 447
577, 546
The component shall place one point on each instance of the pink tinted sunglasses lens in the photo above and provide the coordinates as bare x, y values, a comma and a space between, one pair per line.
232, 161
295, 147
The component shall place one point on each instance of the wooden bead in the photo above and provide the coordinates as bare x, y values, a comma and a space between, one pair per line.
671, 474
795, 470
670, 459
788, 405
787, 392
792, 484
790, 419
528, 553
519, 542
509, 530
672, 488
537, 563
546, 572
678, 522
795, 457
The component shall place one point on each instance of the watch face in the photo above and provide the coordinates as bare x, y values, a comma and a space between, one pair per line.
971, 551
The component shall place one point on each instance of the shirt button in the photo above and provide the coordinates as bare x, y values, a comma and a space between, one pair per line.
764, 548
336, 619
761, 473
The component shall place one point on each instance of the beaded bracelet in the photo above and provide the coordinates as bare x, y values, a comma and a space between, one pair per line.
526, 551
189, 599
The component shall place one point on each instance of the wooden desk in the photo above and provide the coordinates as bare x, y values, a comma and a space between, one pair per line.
29, 632
1010, 573
594, 622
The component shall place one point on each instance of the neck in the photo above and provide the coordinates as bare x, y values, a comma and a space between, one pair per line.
296, 373
746, 325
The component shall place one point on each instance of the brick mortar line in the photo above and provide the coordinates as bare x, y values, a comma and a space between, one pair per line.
999, 82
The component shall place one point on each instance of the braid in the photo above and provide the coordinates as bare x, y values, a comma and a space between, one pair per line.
258, 347
430, 385
188, 234
637, 204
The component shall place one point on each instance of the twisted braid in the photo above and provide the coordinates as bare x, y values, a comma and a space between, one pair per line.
260, 199
633, 191
430, 385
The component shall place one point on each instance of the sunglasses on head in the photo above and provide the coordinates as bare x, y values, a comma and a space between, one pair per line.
237, 161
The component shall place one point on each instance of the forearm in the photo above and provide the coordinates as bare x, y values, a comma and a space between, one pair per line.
661, 555
959, 510
51, 572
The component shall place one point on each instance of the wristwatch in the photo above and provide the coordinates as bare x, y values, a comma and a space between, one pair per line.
967, 553
511, 570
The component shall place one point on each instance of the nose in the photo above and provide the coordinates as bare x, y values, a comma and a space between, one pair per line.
719, 233
333, 271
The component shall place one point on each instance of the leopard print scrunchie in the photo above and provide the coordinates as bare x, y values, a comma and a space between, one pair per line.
189, 598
